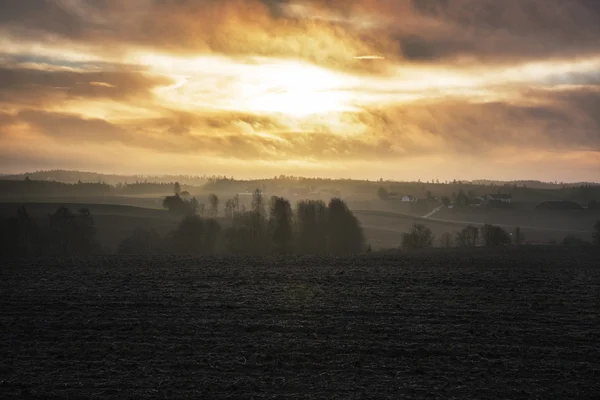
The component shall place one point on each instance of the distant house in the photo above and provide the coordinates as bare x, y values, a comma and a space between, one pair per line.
565, 205
501, 197
409, 199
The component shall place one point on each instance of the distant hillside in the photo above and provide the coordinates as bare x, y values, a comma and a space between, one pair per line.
66, 176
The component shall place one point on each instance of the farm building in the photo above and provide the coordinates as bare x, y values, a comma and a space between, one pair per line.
502, 197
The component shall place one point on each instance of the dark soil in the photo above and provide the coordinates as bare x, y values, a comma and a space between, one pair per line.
517, 323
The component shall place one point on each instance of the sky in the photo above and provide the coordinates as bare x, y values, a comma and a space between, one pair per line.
393, 89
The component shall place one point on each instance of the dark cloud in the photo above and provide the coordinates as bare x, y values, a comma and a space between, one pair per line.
26, 86
418, 30
506, 30
71, 127
546, 120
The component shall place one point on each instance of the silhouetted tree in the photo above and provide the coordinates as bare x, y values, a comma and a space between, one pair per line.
345, 233
258, 202
311, 226
574, 240
280, 224
418, 237
212, 230
494, 236
19, 235
229, 208
446, 201
194, 206
382, 193
247, 234
461, 199
189, 237
519, 237
176, 205
73, 233
467, 237
213, 202
238, 240
446, 240
177, 189
236, 203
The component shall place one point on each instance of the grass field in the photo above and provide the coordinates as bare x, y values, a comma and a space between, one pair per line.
509, 323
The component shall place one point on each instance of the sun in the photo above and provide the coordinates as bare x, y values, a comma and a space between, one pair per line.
258, 85
298, 89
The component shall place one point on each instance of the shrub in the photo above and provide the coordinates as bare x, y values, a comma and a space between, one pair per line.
446, 240
574, 240
419, 237
467, 237
494, 236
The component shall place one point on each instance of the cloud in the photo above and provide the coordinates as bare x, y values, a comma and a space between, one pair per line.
558, 120
28, 86
312, 82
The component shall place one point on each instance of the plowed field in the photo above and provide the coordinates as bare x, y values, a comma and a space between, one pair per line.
520, 323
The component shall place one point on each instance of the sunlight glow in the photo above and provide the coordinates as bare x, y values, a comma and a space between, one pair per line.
255, 85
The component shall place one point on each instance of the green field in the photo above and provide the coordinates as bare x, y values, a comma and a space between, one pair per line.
508, 323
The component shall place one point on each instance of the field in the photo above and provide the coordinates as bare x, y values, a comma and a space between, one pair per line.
509, 323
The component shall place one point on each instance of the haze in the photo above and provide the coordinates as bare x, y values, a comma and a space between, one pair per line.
397, 89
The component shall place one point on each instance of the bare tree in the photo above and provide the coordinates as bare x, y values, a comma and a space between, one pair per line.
258, 202
229, 208
280, 223
494, 236
467, 237
418, 237
194, 205
213, 201
446, 240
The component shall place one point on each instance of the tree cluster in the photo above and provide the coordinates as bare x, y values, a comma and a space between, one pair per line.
62, 233
420, 237
273, 228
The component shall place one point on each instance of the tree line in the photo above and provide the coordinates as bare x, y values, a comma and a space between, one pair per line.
266, 227
274, 227
63, 233
421, 237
